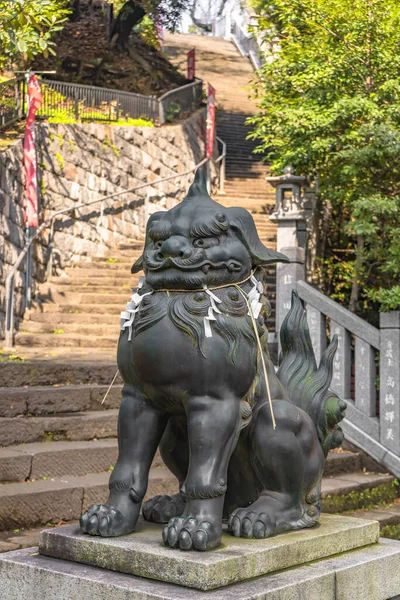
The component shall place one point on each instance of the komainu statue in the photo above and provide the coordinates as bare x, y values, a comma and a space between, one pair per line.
246, 444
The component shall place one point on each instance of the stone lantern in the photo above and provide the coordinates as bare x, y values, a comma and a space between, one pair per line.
291, 210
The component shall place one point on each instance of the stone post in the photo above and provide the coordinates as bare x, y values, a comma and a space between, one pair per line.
291, 217
287, 275
390, 381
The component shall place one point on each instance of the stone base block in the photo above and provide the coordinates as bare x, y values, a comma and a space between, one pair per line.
143, 553
370, 573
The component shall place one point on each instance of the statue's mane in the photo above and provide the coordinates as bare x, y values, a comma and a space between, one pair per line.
188, 310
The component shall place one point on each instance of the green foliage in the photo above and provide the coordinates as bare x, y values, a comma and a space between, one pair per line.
330, 107
60, 160
388, 299
391, 531
27, 27
368, 498
148, 32
173, 111
107, 144
10, 357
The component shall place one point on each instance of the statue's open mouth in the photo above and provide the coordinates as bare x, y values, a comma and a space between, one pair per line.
233, 266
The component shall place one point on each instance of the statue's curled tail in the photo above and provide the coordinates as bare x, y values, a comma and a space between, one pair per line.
307, 384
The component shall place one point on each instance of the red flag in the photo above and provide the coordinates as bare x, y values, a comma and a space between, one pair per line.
210, 121
34, 101
191, 64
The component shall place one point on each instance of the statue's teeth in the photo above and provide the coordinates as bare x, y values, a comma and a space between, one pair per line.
205, 268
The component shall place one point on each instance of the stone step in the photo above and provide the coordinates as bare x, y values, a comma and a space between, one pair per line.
60, 373
44, 400
77, 426
64, 499
101, 265
387, 515
96, 298
83, 328
120, 260
57, 320
123, 275
352, 491
342, 462
71, 340
70, 290
108, 309
57, 459
368, 572
126, 282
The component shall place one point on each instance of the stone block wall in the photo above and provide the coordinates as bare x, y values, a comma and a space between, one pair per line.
83, 162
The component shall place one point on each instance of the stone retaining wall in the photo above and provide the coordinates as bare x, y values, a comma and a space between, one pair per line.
83, 162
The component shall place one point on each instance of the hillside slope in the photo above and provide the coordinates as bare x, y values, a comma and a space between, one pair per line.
85, 56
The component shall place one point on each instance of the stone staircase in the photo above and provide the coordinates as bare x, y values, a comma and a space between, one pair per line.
81, 308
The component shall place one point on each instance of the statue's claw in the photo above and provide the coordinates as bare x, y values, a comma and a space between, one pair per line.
250, 524
105, 521
191, 534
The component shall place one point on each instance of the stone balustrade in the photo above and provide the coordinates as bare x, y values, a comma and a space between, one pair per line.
366, 372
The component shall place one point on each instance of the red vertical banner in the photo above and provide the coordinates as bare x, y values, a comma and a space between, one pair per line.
210, 122
191, 64
34, 101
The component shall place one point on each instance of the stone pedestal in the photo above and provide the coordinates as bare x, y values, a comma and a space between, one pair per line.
340, 559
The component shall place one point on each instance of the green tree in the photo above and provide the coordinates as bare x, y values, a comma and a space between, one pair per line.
27, 27
330, 106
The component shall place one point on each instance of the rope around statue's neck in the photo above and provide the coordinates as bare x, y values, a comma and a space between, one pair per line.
218, 287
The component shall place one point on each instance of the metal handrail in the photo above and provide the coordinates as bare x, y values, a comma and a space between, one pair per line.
154, 107
9, 333
162, 117
222, 159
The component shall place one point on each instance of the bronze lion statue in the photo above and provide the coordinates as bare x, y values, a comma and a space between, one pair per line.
246, 444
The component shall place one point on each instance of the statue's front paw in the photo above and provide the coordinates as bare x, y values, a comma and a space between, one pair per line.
105, 521
191, 534
250, 524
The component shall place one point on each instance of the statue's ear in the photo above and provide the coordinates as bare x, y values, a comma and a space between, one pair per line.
243, 225
138, 265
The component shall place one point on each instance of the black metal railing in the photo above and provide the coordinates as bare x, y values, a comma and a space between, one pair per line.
77, 102
85, 102
176, 103
12, 100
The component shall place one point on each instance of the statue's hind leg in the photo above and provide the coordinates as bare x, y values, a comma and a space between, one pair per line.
174, 449
288, 463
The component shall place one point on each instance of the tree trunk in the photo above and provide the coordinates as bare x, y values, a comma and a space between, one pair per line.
355, 288
131, 14
75, 6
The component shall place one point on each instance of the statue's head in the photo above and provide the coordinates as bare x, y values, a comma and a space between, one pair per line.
200, 242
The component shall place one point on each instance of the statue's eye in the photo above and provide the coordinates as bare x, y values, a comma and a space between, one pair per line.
158, 244
205, 242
